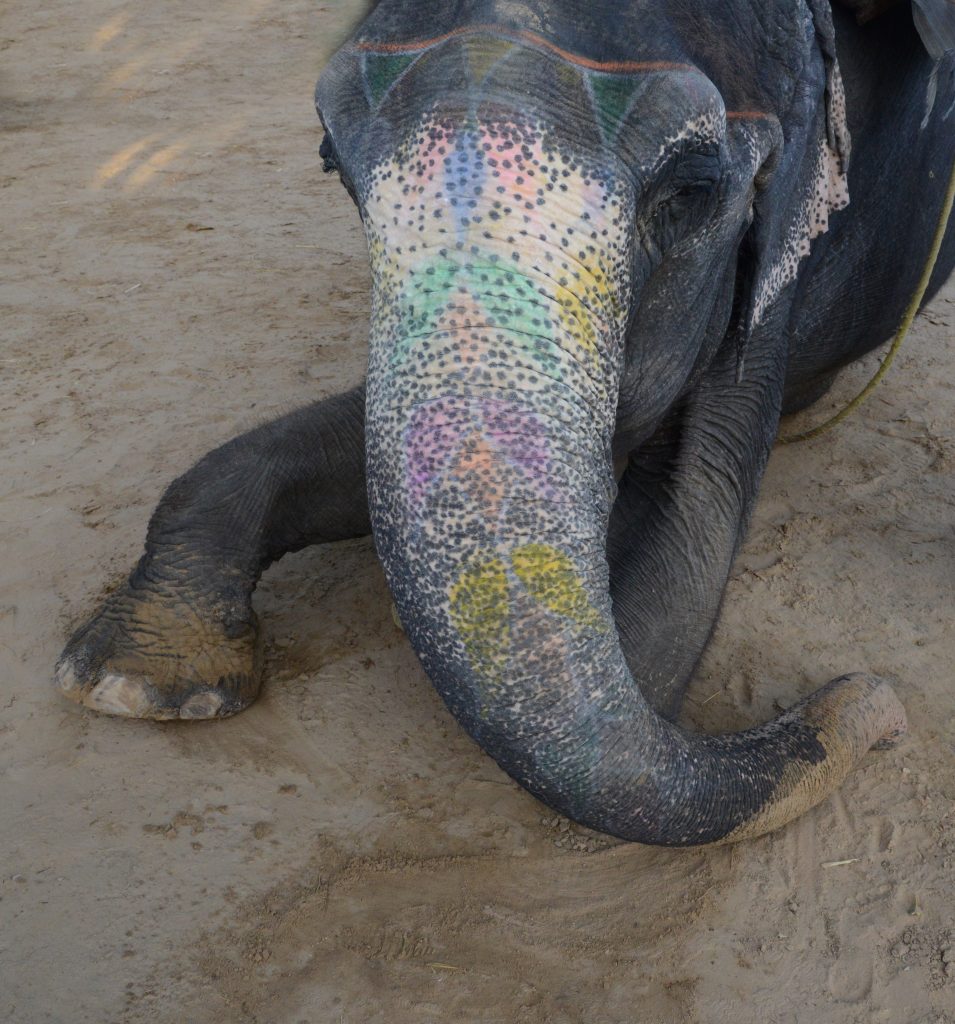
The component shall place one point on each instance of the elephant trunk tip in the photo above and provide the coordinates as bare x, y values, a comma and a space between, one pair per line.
863, 708
849, 716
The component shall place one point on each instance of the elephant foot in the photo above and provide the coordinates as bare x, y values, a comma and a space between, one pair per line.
154, 653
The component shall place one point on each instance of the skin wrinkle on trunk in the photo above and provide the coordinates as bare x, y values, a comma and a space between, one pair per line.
518, 635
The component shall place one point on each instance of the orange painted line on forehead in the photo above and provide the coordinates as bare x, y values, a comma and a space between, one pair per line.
613, 66
617, 67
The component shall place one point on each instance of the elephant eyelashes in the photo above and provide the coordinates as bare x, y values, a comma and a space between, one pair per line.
688, 200
684, 211
687, 191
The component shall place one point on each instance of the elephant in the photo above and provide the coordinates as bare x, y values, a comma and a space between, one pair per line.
611, 245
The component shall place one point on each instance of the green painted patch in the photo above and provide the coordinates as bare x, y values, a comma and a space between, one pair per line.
382, 70
612, 95
498, 296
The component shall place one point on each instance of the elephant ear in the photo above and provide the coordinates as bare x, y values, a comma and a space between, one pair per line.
837, 127
809, 156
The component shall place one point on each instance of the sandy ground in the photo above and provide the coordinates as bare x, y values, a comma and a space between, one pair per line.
174, 268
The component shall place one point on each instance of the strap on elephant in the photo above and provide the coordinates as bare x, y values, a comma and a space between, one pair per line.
910, 313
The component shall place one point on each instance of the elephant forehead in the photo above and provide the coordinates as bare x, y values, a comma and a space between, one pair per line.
506, 39
604, 104
509, 161
496, 196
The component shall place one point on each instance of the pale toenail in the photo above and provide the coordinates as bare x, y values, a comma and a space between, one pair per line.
117, 695
65, 677
201, 705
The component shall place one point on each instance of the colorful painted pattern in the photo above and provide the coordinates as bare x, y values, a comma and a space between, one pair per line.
610, 90
501, 275
610, 86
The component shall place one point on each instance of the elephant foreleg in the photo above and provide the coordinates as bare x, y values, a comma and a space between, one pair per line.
179, 638
683, 504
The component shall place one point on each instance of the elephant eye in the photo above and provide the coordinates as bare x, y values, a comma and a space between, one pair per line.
327, 152
331, 162
684, 211
688, 197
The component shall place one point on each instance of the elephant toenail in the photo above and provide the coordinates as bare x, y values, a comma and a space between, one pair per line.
201, 705
117, 695
65, 677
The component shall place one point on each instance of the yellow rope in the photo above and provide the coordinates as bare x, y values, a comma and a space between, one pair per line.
910, 312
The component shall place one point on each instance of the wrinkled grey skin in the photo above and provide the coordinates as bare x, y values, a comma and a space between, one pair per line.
636, 230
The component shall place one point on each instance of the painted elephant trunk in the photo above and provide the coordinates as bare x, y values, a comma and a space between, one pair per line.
503, 282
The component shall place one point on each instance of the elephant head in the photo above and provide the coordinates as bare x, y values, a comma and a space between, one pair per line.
583, 225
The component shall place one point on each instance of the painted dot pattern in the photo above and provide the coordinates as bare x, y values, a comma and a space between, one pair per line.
501, 267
